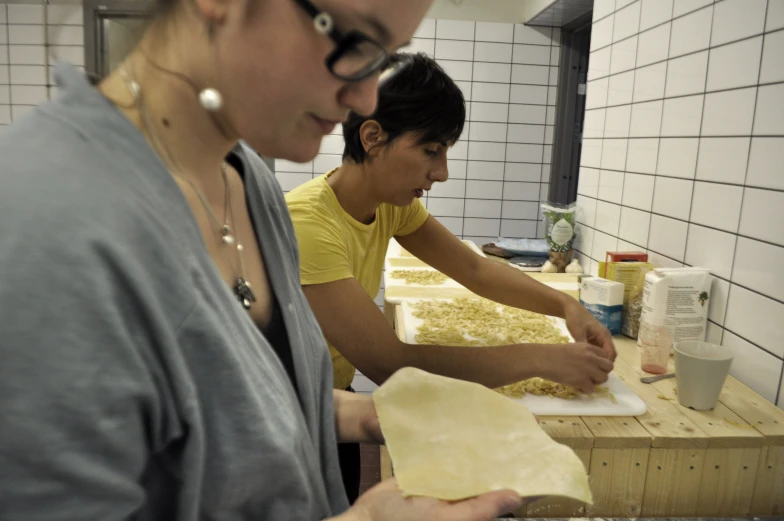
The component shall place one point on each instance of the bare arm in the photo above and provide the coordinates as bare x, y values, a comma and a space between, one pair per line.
439, 248
355, 418
352, 322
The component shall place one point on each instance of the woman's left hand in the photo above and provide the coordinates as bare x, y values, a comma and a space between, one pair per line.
369, 423
585, 328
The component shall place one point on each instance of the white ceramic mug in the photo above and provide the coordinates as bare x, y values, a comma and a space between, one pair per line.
700, 370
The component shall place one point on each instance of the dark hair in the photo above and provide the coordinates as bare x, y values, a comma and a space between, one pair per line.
420, 98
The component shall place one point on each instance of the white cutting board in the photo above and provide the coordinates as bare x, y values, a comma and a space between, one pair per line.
629, 404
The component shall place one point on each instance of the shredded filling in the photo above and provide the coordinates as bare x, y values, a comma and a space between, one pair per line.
424, 277
482, 323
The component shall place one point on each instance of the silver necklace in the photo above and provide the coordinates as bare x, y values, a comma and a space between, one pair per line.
241, 287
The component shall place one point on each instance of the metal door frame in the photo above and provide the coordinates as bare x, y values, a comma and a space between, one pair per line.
95, 11
567, 142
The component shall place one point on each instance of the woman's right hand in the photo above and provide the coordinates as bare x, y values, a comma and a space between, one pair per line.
581, 365
384, 502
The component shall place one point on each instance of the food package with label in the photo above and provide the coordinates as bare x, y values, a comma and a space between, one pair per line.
632, 276
604, 300
559, 221
681, 294
625, 256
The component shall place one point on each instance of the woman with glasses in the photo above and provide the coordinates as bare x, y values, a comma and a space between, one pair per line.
158, 358
345, 219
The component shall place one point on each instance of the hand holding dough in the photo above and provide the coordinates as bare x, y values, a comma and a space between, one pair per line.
451, 440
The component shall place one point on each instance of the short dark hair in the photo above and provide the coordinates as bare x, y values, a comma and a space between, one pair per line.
421, 98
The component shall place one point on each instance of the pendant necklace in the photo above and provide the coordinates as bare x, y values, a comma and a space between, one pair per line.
241, 287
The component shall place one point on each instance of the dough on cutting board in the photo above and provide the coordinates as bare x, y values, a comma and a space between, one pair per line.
451, 440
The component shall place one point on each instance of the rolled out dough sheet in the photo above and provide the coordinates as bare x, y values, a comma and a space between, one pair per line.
451, 440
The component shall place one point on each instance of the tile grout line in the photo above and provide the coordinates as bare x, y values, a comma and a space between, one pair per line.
699, 138
678, 18
696, 180
746, 174
678, 96
684, 55
604, 129
506, 146
661, 125
702, 225
468, 144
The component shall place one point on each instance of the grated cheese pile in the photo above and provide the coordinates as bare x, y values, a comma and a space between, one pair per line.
479, 323
424, 277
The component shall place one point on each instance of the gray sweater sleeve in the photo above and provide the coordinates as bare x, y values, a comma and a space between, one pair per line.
80, 402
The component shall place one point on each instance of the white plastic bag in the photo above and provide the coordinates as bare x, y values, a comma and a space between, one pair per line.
682, 294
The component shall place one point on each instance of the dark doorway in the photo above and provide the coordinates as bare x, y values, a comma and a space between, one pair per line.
570, 113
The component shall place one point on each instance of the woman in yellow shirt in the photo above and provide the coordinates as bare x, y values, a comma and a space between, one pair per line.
345, 219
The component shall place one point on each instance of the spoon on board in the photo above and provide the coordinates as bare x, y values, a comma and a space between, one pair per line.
651, 379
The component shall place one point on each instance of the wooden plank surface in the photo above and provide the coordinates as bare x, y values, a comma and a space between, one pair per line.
672, 483
568, 430
727, 485
668, 427
617, 482
724, 428
754, 410
737, 403
768, 499
617, 432
558, 506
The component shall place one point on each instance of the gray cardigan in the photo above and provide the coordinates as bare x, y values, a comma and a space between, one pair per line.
132, 383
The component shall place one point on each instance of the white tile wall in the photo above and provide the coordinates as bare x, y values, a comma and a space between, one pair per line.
24, 37
758, 369
641, 155
648, 82
723, 159
769, 116
677, 157
700, 168
736, 19
672, 197
728, 113
772, 65
735, 65
646, 119
682, 116
620, 89
623, 55
757, 267
686, 75
654, 12
653, 45
691, 33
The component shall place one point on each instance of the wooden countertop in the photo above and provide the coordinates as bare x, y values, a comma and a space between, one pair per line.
672, 460
742, 418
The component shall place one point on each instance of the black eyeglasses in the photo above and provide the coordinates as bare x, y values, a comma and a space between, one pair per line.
356, 55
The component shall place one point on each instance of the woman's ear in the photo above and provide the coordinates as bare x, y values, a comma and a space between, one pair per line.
372, 135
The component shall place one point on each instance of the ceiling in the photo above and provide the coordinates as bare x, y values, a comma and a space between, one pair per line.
561, 12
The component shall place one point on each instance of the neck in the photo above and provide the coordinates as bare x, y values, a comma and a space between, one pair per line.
186, 137
352, 185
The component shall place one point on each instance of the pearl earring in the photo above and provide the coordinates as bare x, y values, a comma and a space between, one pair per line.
211, 100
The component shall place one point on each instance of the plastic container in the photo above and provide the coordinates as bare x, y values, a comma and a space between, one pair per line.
656, 338
701, 370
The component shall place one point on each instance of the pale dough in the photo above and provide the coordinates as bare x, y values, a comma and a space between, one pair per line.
451, 440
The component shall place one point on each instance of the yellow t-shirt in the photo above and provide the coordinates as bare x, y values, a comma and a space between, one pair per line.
335, 246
